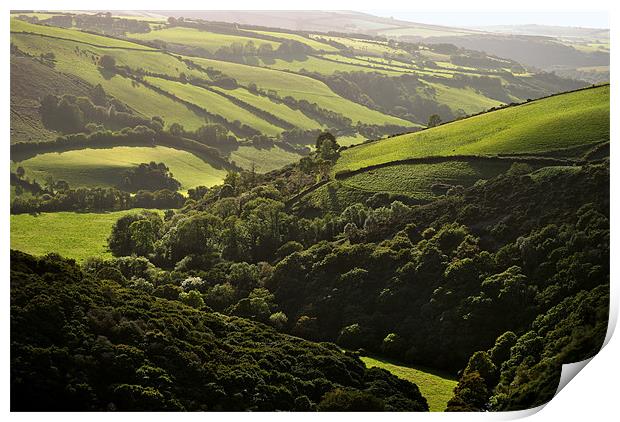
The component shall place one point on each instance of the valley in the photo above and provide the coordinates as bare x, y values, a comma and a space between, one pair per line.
302, 211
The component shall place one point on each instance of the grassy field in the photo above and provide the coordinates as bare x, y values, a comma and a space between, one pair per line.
294, 117
327, 67
562, 121
264, 159
300, 87
102, 167
216, 104
465, 99
416, 180
350, 140
435, 387
70, 234
209, 41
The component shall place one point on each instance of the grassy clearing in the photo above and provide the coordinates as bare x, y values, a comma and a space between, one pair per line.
264, 159
209, 41
70, 234
72, 34
435, 387
300, 87
562, 121
216, 104
143, 100
466, 99
416, 180
102, 167
294, 117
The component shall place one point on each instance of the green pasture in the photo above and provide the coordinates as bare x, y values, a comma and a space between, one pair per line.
554, 123
70, 234
103, 167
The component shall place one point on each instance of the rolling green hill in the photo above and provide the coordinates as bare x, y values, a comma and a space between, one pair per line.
334, 82
301, 88
216, 104
422, 166
103, 167
538, 127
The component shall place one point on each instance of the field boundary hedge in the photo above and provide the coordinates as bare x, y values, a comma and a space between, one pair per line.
344, 174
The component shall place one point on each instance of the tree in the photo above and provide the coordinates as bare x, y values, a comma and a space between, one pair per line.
192, 298
353, 337
393, 345
324, 136
143, 236
434, 120
20, 172
176, 129
278, 320
107, 62
470, 394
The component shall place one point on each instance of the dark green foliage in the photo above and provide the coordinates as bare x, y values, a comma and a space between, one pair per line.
135, 233
148, 176
341, 400
71, 114
107, 62
434, 120
82, 343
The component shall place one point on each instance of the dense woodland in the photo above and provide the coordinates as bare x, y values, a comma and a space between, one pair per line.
503, 303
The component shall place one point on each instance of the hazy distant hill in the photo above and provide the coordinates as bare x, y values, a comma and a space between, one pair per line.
572, 52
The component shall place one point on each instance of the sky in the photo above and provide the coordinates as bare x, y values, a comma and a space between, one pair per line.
468, 18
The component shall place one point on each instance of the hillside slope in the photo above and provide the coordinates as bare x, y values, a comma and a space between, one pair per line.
537, 127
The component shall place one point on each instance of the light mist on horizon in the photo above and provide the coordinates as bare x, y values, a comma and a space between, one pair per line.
469, 18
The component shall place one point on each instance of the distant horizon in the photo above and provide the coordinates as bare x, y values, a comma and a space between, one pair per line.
474, 19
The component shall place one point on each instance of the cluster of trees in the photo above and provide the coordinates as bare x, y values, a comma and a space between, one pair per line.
95, 342
105, 23
148, 176
287, 49
101, 23
213, 134
71, 114
137, 136
424, 284
152, 183
63, 198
